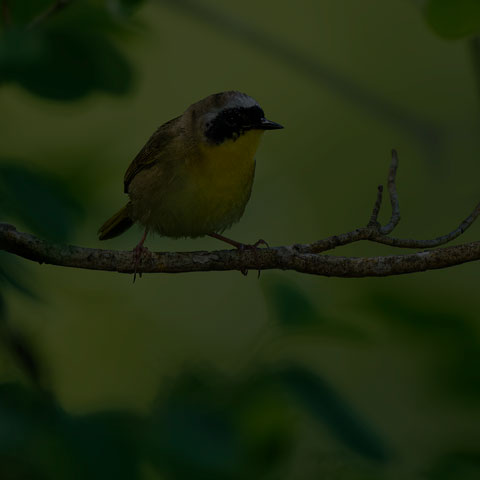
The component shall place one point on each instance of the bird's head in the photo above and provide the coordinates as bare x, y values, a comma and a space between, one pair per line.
227, 116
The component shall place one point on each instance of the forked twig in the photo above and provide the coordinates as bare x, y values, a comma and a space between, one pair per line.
376, 209
374, 232
392, 190
434, 242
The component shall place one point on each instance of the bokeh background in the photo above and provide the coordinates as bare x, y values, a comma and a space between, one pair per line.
217, 375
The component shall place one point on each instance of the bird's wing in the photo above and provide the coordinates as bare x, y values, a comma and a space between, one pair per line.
154, 151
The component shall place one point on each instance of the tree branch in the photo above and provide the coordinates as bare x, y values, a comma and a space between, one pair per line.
301, 258
284, 258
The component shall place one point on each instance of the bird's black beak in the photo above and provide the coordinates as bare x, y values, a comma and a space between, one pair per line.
268, 125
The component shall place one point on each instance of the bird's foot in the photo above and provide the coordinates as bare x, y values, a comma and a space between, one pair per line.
254, 247
240, 246
138, 252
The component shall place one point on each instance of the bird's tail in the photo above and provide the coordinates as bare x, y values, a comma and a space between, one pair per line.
116, 225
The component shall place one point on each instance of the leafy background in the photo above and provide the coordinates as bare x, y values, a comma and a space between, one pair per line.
220, 376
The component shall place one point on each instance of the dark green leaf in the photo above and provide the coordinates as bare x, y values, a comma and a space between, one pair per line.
456, 466
451, 336
61, 64
57, 445
426, 322
12, 468
68, 56
294, 311
291, 307
192, 433
110, 69
453, 18
12, 274
318, 398
22, 351
100, 12
22, 12
267, 421
103, 444
14, 342
474, 45
89, 16
124, 8
22, 412
39, 200
20, 52
458, 372
3, 306
195, 440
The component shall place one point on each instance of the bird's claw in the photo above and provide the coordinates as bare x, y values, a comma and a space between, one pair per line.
253, 247
260, 242
138, 252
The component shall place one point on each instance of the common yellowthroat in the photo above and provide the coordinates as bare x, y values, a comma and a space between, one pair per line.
194, 175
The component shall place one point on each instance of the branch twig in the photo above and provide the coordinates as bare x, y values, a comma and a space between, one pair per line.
378, 234
434, 242
302, 258
392, 190
376, 209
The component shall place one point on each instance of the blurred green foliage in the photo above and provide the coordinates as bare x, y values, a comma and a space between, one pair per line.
453, 18
464, 465
38, 200
206, 425
450, 337
69, 55
287, 413
326, 405
39, 439
202, 428
295, 313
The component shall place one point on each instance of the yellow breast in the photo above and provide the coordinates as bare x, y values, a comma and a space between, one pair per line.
227, 168
208, 195
223, 177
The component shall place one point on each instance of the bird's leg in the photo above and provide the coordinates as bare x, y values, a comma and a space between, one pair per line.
138, 251
240, 246
234, 243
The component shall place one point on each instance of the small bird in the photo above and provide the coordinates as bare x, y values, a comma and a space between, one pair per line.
194, 175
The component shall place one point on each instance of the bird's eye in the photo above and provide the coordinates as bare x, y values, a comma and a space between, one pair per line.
231, 118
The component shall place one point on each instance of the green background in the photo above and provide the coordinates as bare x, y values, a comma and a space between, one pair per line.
287, 376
